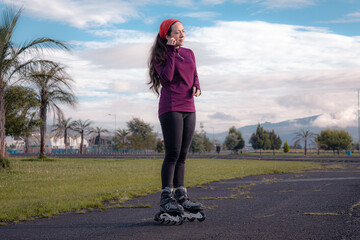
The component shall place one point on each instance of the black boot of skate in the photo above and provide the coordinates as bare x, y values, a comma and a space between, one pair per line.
193, 210
170, 211
168, 203
182, 198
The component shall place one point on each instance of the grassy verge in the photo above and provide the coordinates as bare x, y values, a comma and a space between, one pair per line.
33, 189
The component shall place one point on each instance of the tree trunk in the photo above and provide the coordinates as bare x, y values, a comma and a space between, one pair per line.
81, 142
305, 146
27, 145
43, 129
65, 140
99, 143
2, 122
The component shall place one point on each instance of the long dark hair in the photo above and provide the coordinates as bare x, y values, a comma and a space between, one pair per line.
157, 56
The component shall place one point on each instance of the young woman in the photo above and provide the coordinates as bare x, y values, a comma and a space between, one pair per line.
173, 68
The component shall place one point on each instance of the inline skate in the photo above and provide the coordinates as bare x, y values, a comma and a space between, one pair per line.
192, 210
170, 211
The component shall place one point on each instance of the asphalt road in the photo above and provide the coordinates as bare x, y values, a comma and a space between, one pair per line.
311, 205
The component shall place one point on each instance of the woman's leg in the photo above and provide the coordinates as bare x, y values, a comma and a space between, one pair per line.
189, 121
172, 128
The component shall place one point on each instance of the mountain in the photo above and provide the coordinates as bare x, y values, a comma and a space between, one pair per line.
286, 129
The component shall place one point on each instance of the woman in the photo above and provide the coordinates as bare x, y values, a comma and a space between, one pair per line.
173, 68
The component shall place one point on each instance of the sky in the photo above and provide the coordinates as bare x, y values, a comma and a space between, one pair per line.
257, 60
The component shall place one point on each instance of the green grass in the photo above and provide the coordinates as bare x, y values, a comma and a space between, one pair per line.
297, 152
32, 189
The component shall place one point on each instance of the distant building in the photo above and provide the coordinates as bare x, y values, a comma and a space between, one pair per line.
52, 144
105, 143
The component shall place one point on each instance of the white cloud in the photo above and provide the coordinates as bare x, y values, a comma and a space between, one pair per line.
342, 119
123, 36
123, 56
249, 72
348, 18
201, 15
80, 13
272, 72
259, 46
267, 3
103, 90
212, 2
287, 3
222, 116
87, 14
354, 15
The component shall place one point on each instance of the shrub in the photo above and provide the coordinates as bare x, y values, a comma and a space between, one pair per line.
286, 147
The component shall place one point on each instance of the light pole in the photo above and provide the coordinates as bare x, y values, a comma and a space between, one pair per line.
213, 135
359, 119
114, 115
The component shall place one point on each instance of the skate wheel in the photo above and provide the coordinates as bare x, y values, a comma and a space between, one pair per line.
161, 219
202, 218
180, 220
191, 219
166, 221
157, 217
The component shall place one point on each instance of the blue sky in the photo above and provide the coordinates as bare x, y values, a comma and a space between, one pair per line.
258, 60
341, 17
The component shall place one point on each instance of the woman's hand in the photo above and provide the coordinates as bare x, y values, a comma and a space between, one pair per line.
196, 92
171, 41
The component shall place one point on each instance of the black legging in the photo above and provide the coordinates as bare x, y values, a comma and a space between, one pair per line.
178, 130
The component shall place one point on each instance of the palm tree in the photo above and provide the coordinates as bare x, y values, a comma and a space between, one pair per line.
98, 131
12, 60
122, 134
54, 87
304, 135
82, 127
61, 129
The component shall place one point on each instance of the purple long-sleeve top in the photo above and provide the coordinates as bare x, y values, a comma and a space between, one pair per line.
178, 77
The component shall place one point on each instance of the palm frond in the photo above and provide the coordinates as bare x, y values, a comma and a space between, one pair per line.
12, 55
80, 125
39, 44
8, 23
30, 66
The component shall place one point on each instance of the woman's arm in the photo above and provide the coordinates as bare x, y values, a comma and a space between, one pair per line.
166, 72
196, 86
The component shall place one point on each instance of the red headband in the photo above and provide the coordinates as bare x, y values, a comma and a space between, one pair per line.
165, 26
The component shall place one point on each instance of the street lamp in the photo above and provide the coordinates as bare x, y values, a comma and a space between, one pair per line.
114, 115
213, 134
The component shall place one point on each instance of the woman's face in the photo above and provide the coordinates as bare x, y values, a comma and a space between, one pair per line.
177, 33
